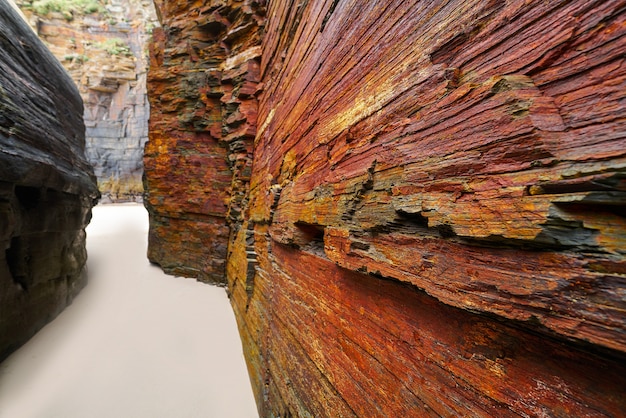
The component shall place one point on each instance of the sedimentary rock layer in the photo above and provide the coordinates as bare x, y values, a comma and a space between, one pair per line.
105, 53
202, 82
437, 209
434, 223
47, 187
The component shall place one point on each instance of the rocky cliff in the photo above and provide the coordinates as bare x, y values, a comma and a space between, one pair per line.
434, 220
47, 187
103, 46
202, 84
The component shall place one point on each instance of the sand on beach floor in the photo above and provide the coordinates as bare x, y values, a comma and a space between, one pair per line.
135, 343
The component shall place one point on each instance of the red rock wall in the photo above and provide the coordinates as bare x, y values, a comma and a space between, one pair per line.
202, 81
435, 222
438, 210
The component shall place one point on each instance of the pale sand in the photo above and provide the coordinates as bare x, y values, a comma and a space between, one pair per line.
135, 343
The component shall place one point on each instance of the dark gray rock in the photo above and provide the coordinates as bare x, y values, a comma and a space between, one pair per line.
47, 187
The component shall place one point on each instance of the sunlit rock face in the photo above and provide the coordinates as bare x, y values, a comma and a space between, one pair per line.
47, 187
103, 46
435, 217
204, 70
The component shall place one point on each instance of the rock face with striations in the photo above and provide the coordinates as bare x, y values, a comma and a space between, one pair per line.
103, 45
47, 187
434, 221
202, 85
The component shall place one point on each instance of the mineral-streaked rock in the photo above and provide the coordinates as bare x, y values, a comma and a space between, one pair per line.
106, 55
202, 81
435, 223
47, 187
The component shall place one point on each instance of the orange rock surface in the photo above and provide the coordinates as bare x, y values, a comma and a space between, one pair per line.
435, 217
202, 80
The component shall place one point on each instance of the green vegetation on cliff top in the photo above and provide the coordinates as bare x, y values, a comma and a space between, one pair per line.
115, 46
66, 7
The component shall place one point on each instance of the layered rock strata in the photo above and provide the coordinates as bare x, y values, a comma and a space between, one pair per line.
435, 219
105, 53
47, 187
202, 84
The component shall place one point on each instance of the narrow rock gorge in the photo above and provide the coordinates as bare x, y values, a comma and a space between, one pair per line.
417, 207
47, 187
103, 46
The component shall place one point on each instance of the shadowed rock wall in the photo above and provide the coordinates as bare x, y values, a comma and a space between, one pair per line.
47, 188
435, 222
202, 81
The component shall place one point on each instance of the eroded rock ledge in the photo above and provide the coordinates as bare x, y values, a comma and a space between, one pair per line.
47, 188
435, 218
